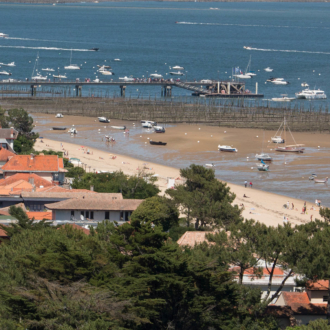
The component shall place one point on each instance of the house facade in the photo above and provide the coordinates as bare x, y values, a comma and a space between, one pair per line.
48, 167
7, 137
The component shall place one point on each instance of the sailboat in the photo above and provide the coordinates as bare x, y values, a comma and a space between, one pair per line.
35, 74
72, 66
262, 166
248, 74
263, 156
297, 148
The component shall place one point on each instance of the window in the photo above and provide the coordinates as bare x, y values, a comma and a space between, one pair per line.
107, 215
87, 214
92, 215
72, 213
121, 215
82, 212
325, 298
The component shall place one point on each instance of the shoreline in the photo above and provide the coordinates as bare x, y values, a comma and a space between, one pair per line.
260, 205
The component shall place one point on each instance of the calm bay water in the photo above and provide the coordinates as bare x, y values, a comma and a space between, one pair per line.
292, 38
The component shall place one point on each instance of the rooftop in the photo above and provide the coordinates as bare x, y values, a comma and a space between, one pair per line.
99, 202
39, 215
61, 193
8, 133
320, 285
5, 154
29, 177
73, 225
191, 238
32, 163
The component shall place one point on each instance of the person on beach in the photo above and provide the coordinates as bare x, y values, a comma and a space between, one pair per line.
251, 184
292, 205
245, 183
288, 205
245, 196
312, 217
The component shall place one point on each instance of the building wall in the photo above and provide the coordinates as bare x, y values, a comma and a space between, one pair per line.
98, 215
305, 319
316, 297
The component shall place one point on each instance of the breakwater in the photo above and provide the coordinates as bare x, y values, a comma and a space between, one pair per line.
302, 116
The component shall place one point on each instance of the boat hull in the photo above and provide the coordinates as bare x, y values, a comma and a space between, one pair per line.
59, 128
159, 143
288, 149
119, 127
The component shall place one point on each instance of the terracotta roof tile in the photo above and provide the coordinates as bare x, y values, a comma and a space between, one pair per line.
99, 202
37, 180
69, 194
5, 154
60, 163
39, 215
75, 226
318, 285
191, 238
26, 163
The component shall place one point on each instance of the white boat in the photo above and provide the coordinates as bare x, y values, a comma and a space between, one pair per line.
311, 94
159, 129
278, 81
12, 64
38, 76
103, 67
126, 78
321, 181
119, 127
248, 74
107, 73
109, 138
277, 139
3, 35
226, 148
60, 76
262, 167
72, 130
304, 84
284, 98
176, 73
264, 157
148, 121
72, 66
117, 60
178, 67
243, 76
210, 165
147, 125
9, 80
156, 75
103, 120
96, 80
5, 73
247, 47
268, 69
59, 115
48, 69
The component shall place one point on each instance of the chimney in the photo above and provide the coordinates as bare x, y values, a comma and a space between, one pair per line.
32, 156
11, 132
92, 188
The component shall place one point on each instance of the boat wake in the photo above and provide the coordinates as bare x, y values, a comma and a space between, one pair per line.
255, 25
287, 51
48, 48
46, 40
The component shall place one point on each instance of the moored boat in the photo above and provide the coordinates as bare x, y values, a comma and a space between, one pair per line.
159, 143
311, 94
277, 139
59, 128
262, 166
226, 148
321, 181
264, 157
103, 120
119, 127
159, 129
72, 130
59, 115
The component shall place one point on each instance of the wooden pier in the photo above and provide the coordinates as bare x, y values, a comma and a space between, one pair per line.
225, 89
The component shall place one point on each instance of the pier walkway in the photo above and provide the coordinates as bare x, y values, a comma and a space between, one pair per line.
206, 88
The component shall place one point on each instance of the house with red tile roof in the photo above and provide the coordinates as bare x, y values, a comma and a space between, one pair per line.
34, 179
301, 308
74, 226
49, 167
97, 207
192, 238
5, 155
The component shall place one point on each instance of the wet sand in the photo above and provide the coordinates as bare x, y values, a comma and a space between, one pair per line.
186, 144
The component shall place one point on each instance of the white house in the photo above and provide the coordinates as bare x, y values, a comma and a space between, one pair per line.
97, 207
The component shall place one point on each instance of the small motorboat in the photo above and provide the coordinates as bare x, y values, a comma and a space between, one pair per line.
226, 148
277, 139
149, 124
262, 167
128, 79
176, 73
107, 73
159, 129
312, 177
247, 47
39, 77
119, 127
103, 67
264, 157
283, 98
12, 64
321, 181
304, 84
5, 73
109, 138
103, 120
60, 76
278, 81
72, 67
48, 69
59, 115
159, 143
3, 35
94, 49
210, 165
59, 128
148, 121
268, 69
156, 75
117, 60
72, 130
178, 67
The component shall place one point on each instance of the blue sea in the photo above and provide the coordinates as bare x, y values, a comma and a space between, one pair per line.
149, 37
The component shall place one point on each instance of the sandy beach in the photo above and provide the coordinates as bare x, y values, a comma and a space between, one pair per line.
259, 205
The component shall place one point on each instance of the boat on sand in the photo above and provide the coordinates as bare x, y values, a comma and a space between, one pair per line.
159, 143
